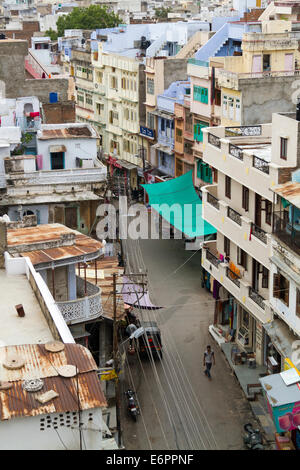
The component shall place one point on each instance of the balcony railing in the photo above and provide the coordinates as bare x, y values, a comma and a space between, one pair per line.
235, 278
286, 231
86, 307
76, 175
242, 131
234, 215
213, 201
236, 151
257, 298
261, 164
259, 233
214, 140
212, 258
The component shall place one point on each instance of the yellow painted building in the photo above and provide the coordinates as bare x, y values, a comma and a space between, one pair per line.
266, 59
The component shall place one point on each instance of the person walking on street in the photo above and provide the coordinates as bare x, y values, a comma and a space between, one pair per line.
208, 359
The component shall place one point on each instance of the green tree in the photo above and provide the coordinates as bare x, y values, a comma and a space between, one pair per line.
162, 12
52, 34
93, 17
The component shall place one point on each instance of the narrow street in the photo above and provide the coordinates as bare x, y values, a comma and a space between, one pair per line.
180, 407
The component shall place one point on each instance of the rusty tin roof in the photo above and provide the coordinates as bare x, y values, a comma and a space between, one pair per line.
289, 191
39, 363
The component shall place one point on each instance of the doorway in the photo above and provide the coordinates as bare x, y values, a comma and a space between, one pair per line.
57, 160
71, 217
258, 210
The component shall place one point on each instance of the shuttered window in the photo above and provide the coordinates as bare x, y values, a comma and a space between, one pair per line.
198, 134
204, 172
201, 94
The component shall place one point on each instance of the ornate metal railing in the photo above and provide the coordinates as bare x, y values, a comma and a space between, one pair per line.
235, 278
234, 215
214, 140
213, 201
212, 258
235, 151
261, 164
257, 298
259, 233
242, 130
87, 306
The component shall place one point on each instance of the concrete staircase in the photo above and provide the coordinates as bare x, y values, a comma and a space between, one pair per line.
34, 67
191, 47
214, 44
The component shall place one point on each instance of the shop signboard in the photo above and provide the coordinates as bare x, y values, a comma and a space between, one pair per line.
145, 131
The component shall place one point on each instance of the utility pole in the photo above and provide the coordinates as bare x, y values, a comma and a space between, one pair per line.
116, 363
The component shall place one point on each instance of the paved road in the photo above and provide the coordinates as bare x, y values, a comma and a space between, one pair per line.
181, 408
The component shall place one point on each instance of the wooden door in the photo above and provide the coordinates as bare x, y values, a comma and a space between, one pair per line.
71, 217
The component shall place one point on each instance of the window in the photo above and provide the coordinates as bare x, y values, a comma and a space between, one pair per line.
150, 86
228, 187
266, 62
237, 109
198, 134
281, 287
179, 135
188, 148
201, 94
99, 108
225, 106
268, 212
298, 302
150, 120
188, 122
283, 148
114, 83
217, 97
204, 172
245, 198
215, 172
265, 278
226, 246
99, 77
242, 258
80, 97
162, 125
89, 99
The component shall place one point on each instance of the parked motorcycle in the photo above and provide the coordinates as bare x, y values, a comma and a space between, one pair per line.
132, 405
253, 438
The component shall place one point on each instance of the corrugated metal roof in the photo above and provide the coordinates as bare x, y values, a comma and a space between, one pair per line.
47, 233
39, 363
289, 191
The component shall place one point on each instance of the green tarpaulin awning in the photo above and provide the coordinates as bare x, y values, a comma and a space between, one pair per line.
177, 202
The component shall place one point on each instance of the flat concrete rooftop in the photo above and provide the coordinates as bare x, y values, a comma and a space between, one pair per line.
16, 330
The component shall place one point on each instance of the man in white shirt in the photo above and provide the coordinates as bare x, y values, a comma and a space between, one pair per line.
208, 359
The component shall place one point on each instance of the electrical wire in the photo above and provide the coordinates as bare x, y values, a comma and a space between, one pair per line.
153, 402
177, 350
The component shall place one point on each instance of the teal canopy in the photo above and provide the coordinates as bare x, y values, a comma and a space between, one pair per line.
177, 202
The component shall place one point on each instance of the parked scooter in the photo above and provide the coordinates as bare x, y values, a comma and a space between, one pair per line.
132, 406
253, 438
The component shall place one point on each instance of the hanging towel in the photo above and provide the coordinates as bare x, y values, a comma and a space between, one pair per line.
34, 114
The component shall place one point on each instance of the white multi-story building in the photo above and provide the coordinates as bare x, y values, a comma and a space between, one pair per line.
249, 162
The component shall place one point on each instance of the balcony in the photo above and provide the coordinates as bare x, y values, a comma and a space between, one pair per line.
238, 228
234, 283
86, 307
45, 177
29, 124
287, 232
244, 154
